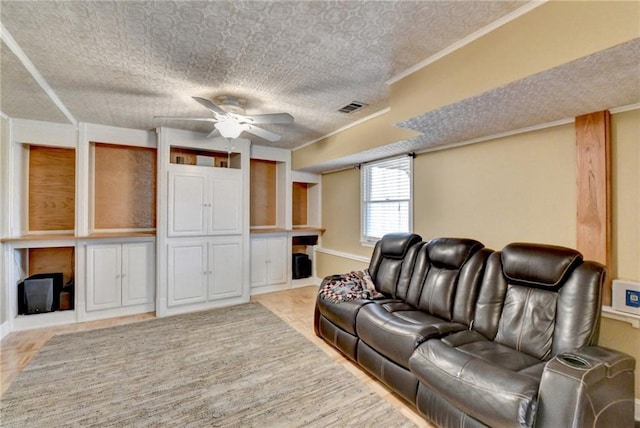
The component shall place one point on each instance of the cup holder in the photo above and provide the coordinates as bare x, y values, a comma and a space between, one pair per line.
574, 361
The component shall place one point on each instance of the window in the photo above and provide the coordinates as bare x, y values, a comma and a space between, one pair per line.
386, 198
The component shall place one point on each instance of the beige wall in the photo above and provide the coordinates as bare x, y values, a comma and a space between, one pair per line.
329, 264
341, 209
625, 181
519, 188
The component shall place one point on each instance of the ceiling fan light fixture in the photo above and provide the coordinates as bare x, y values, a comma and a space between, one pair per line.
229, 128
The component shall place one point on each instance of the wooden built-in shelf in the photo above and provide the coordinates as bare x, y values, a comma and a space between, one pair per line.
52, 259
124, 187
71, 237
52, 188
263, 193
299, 204
179, 155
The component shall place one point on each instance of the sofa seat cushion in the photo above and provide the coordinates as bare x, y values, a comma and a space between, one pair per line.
491, 382
343, 314
396, 335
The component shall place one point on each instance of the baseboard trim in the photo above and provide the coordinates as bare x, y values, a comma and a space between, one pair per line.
4, 329
298, 283
349, 256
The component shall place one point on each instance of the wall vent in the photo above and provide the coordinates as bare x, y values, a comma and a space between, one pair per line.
352, 106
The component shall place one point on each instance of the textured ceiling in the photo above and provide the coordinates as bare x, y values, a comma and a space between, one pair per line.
120, 63
607, 79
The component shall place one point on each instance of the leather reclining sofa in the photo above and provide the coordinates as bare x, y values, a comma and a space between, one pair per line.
473, 337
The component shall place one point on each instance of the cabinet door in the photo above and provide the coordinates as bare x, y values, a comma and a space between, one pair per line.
187, 203
277, 259
226, 205
104, 288
225, 268
138, 273
258, 262
187, 267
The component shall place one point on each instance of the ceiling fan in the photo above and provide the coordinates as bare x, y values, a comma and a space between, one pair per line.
230, 121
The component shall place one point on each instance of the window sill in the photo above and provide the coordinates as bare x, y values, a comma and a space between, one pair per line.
609, 312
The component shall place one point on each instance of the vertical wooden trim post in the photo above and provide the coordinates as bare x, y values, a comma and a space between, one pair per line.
593, 160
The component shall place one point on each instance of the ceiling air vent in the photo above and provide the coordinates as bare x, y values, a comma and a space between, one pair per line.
352, 106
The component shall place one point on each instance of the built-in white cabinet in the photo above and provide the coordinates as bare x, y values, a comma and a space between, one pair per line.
120, 275
268, 260
204, 201
201, 270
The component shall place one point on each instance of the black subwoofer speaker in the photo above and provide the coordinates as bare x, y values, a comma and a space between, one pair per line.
38, 295
301, 266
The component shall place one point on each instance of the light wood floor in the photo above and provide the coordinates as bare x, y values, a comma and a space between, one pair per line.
294, 306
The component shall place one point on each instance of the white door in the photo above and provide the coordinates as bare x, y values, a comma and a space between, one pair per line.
225, 268
188, 272
138, 273
188, 203
258, 262
226, 206
104, 288
277, 256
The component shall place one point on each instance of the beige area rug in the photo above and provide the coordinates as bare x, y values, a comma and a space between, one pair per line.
240, 366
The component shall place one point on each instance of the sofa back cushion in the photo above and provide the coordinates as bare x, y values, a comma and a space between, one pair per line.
539, 299
392, 261
439, 266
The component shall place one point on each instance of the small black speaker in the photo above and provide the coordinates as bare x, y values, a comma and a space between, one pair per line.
38, 294
28, 308
301, 266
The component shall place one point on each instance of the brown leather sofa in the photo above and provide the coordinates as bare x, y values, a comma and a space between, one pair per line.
473, 337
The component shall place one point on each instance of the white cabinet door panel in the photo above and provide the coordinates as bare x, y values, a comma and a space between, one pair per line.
188, 273
226, 206
277, 253
138, 273
258, 262
225, 268
187, 203
104, 288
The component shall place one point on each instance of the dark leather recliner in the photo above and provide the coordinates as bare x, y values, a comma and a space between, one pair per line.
432, 305
390, 267
473, 337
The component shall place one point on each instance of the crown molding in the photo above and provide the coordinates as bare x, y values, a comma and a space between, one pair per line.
18, 52
470, 38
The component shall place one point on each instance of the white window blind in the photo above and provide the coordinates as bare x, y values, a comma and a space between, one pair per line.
386, 197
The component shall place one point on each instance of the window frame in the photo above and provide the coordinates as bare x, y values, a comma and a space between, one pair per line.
370, 241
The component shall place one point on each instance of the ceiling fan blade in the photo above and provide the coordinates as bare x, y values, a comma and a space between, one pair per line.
210, 105
198, 119
270, 118
214, 134
262, 133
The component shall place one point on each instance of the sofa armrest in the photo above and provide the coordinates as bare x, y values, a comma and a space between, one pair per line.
591, 386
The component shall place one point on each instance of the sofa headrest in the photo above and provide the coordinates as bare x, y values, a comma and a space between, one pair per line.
451, 253
396, 245
544, 266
